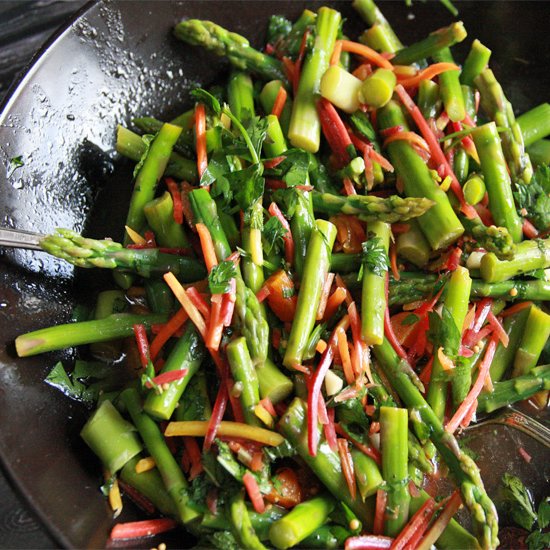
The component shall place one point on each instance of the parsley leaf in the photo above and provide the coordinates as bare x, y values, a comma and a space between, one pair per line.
294, 169
534, 197
543, 513
443, 331
220, 277
208, 99
518, 501
273, 233
375, 258
538, 540
247, 186
15, 163
284, 450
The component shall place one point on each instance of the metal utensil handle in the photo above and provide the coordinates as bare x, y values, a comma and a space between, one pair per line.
16, 238
522, 422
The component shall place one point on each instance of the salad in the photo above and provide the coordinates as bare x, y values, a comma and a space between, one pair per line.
332, 263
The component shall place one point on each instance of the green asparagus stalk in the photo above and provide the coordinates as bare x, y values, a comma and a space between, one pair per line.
108, 303
535, 124
150, 173
535, 336
88, 253
150, 485
461, 466
373, 296
476, 62
474, 189
412, 288
194, 403
529, 255
235, 47
456, 304
432, 44
273, 383
367, 474
370, 208
379, 38
499, 109
275, 143
513, 390
394, 449
159, 214
469, 100
267, 99
159, 296
461, 164
302, 521
325, 464
305, 126
514, 325
371, 14
184, 144
242, 525
439, 224
244, 374
449, 87
301, 226
539, 152
111, 438
170, 471
497, 180
461, 380
240, 95
413, 246
131, 145
187, 354
327, 537
87, 332
316, 267
429, 101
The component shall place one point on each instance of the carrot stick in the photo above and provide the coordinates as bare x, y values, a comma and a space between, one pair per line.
369, 451
194, 454
336, 53
418, 523
333, 303
278, 106
334, 130
145, 528
411, 137
451, 508
207, 246
427, 74
515, 308
324, 296
166, 378
366, 52
344, 355
176, 199
347, 466
166, 332
380, 510
200, 138
253, 490
142, 344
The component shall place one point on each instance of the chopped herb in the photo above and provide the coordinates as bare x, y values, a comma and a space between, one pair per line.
518, 502
375, 258
208, 99
220, 276
533, 199
15, 163
273, 233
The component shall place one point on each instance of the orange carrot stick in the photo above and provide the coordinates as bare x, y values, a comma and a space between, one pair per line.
200, 138
170, 328
366, 52
427, 74
207, 246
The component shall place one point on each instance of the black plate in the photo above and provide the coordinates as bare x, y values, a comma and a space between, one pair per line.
115, 61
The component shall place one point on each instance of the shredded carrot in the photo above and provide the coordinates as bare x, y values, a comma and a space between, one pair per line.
529, 230
347, 466
334, 130
343, 348
334, 302
253, 490
274, 162
200, 138
393, 261
142, 344
439, 525
336, 53
427, 74
498, 328
369, 451
170, 328
418, 523
321, 346
380, 511
207, 246
289, 68
215, 326
145, 528
411, 137
364, 51
324, 296
364, 70
279, 103
327, 419
298, 63
194, 454
426, 372
349, 188
187, 304
176, 200
515, 309
167, 377
464, 407
444, 361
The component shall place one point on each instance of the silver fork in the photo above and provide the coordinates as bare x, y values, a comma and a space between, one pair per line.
16, 238
520, 421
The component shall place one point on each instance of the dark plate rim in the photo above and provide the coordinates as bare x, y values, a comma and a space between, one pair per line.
16, 86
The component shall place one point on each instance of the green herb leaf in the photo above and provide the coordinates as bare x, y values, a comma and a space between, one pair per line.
535, 198
273, 233
361, 123
518, 501
294, 169
15, 163
375, 258
247, 186
543, 513
220, 540
538, 540
284, 450
444, 332
208, 99
220, 276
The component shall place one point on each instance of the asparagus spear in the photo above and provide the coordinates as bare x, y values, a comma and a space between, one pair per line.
150, 173
372, 15
432, 44
449, 87
242, 525
305, 126
188, 354
476, 61
367, 474
539, 152
461, 466
267, 99
394, 448
160, 218
245, 375
429, 101
171, 473
301, 226
413, 246
497, 180
439, 224
235, 47
86, 332
302, 521
412, 288
131, 145
84, 252
370, 208
529, 255
535, 124
535, 336
315, 271
111, 438
513, 390
499, 109
183, 145
325, 464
